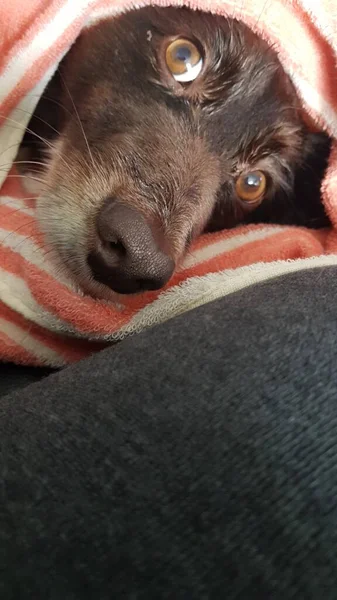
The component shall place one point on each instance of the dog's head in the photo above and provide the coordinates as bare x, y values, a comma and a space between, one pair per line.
168, 122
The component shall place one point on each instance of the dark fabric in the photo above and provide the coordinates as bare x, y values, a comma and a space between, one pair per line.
197, 460
13, 377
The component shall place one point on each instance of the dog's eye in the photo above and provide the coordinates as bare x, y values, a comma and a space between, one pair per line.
183, 60
251, 186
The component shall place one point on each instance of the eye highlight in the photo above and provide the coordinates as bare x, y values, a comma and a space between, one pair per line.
183, 60
250, 187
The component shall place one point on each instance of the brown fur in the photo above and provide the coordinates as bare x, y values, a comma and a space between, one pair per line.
127, 130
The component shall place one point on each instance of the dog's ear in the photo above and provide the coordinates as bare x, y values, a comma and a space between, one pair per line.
308, 180
304, 206
317, 147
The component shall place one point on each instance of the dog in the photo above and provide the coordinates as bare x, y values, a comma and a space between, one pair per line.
161, 124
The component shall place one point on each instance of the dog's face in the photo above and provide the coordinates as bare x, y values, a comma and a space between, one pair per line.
169, 122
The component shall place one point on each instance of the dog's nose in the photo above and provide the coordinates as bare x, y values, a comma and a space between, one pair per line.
127, 257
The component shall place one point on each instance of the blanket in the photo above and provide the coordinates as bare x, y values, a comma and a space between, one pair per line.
44, 318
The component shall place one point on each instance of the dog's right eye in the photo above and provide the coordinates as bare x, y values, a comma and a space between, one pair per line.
183, 60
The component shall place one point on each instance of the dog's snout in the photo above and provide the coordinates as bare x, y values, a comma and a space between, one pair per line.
127, 257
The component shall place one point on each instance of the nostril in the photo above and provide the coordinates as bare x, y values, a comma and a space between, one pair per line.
115, 247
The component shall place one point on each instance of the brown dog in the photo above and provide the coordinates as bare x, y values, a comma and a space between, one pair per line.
164, 123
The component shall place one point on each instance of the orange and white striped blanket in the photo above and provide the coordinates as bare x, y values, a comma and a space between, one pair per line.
45, 319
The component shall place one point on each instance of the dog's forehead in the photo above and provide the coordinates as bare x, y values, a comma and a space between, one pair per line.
125, 47
242, 103
132, 35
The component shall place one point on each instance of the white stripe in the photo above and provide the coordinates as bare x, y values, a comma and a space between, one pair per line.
32, 253
22, 338
226, 245
13, 129
13, 289
99, 13
40, 44
15, 293
197, 291
18, 204
25, 248
191, 293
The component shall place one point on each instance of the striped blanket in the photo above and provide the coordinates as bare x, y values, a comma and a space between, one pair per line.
44, 318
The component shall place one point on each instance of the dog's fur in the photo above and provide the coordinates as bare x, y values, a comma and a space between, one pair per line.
119, 126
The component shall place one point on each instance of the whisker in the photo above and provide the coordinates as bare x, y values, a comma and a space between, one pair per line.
42, 120
20, 162
78, 118
45, 184
29, 221
6, 150
50, 99
18, 210
42, 139
11, 199
17, 176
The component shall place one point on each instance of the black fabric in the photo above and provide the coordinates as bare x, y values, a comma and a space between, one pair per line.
13, 377
196, 460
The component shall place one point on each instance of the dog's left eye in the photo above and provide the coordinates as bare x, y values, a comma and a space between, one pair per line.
250, 187
183, 60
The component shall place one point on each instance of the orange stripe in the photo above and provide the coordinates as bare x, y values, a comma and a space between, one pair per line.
24, 20
12, 352
89, 315
36, 71
71, 349
15, 221
294, 244
85, 314
12, 186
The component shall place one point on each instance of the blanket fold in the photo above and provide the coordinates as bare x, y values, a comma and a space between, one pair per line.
44, 318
